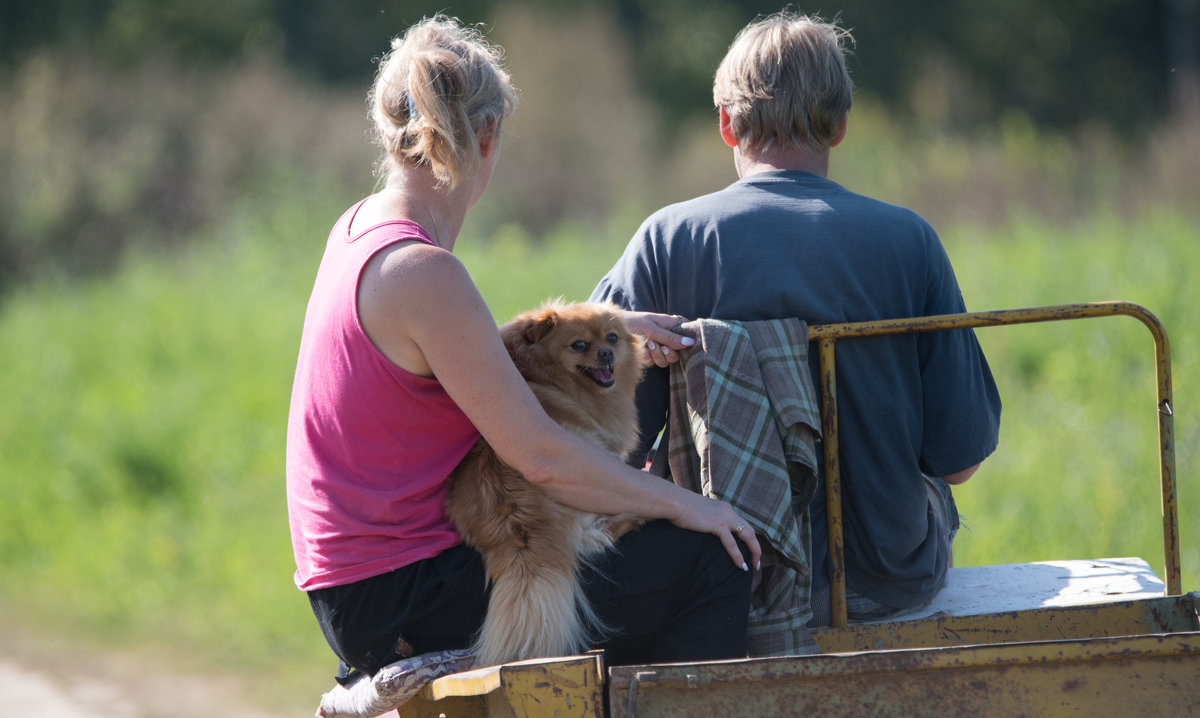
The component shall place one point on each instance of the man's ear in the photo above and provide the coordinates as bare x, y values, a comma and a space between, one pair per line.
839, 133
726, 127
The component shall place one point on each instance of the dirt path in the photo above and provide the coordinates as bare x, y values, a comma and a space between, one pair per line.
50, 677
34, 695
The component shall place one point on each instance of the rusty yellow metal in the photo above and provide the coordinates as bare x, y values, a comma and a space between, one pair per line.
833, 490
1122, 676
459, 706
569, 688
470, 694
572, 686
1167, 614
1125, 658
826, 334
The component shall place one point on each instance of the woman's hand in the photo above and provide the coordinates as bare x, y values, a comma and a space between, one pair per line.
662, 344
705, 515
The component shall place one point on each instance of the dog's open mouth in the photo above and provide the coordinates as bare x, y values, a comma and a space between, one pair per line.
602, 375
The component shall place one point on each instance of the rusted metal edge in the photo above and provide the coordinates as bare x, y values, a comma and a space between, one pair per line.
825, 335
910, 659
1163, 614
833, 487
1126, 674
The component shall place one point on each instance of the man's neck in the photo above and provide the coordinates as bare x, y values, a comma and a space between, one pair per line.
806, 159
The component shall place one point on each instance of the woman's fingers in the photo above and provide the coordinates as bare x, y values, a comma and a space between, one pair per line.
663, 342
707, 515
743, 532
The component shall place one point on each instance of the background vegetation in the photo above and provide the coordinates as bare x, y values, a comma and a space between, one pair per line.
167, 177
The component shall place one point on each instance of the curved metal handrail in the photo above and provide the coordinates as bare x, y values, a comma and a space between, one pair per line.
826, 335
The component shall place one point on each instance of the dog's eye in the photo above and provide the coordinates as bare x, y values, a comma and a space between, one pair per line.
579, 345
612, 337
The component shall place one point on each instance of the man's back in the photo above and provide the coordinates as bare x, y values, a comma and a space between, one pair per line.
792, 244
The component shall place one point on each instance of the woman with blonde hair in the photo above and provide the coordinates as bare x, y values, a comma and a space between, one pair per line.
401, 368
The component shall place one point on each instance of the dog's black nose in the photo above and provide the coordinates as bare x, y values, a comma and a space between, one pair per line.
605, 355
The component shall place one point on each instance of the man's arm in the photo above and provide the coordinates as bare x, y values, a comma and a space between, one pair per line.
960, 477
652, 399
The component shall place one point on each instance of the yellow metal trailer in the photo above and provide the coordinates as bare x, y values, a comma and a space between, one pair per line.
1099, 637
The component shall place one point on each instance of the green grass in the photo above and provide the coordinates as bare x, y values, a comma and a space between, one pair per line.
1076, 474
141, 449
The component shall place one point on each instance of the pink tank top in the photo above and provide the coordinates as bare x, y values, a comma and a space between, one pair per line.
369, 445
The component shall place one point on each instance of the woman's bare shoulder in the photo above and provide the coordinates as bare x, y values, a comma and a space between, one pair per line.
408, 290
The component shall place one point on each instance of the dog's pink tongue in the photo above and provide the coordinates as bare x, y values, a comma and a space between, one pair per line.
602, 374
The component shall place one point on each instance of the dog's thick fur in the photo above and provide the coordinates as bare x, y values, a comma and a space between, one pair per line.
582, 365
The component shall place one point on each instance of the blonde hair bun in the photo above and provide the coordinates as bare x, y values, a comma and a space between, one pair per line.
436, 91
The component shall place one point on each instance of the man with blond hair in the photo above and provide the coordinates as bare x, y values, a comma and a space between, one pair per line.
919, 412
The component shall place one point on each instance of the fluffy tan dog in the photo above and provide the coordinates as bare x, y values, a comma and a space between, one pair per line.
581, 363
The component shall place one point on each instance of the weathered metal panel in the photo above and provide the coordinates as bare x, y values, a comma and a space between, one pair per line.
556, 690
864, 674
555, 687
1170, 614
458, 706
1127, 676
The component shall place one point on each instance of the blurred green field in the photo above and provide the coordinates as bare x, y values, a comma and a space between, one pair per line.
1076, 474
141, 446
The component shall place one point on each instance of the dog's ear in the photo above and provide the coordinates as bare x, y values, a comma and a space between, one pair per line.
526, 330
539, 325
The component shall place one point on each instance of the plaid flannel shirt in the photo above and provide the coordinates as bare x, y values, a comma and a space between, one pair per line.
744, 421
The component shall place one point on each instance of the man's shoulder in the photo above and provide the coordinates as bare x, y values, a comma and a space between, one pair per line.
867, 205
700, 206
776, 192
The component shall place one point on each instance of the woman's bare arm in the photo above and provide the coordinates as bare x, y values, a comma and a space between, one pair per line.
420, 307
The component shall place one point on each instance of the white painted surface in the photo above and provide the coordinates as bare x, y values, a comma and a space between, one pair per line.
976, 590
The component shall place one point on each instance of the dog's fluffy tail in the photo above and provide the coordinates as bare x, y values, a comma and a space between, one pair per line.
536, 612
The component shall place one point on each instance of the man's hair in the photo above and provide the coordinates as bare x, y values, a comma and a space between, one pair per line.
784, 81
